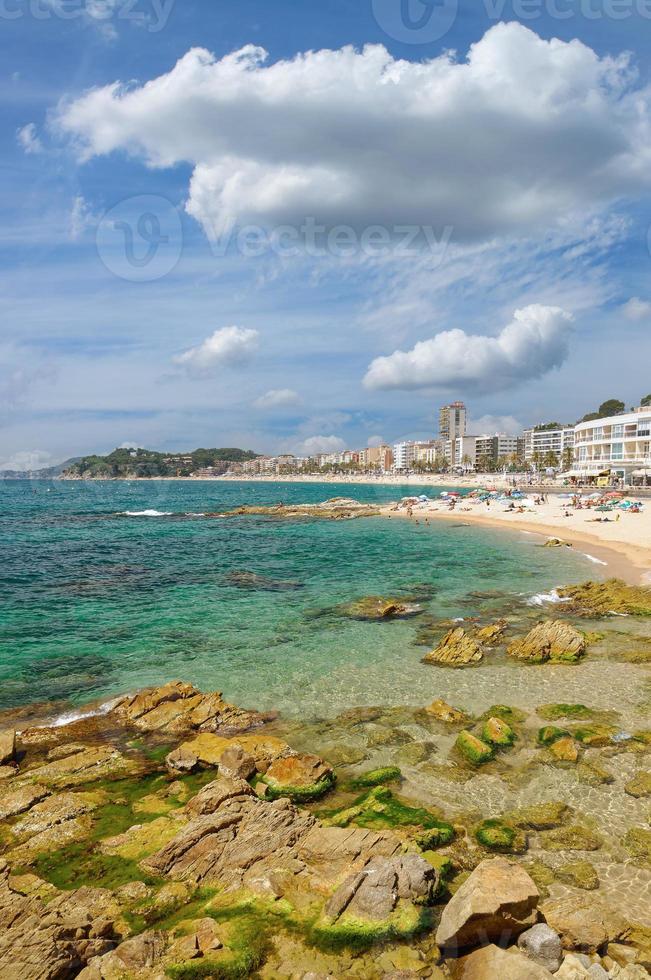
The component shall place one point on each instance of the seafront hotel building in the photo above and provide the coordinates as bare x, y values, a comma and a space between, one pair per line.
620, 445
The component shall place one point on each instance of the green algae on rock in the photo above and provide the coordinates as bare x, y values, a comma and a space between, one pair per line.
580, 874
572, 838
473, 749
379, 808
498, 835
606, 598
298, 777
541, 816
497, 732
553, 712
552, 640
550, 734
377, 777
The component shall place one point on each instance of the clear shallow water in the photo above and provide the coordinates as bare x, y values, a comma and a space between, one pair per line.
95, 602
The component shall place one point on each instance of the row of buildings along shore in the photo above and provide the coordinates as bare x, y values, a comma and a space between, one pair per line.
617, 446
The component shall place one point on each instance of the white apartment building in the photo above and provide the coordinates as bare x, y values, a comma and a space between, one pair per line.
539, 442
620, 445
407, 454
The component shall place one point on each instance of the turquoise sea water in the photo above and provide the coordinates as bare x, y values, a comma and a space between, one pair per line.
95, 602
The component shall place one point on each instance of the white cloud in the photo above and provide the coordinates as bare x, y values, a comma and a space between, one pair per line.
637, 309
359, 137
536, 341
228, 347
81, 217
490, 424
320, 444
278, 398
27, 459
29, 140
375, 441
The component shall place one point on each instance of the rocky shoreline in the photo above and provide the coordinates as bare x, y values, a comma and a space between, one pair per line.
172, 834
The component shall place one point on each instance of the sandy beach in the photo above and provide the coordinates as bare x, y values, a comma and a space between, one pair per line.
623, 545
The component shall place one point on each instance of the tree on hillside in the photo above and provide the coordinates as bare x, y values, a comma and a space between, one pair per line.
646, 401
611, 407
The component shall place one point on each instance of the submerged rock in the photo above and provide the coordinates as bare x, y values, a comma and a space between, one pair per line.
541, 816
251, 581
637, 842
456, 649
374, 608
551, 640
639, 786
580, 874
583, 922
573, 838
497, 902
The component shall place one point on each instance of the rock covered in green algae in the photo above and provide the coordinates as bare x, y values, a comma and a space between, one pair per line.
572, 838
606, 598
473, 749
497, 732
552, 640
498, 835
580, 874
456, 649
595, 736
298, 777
575, 712
377, 777
380, 808
541, 816
550, 734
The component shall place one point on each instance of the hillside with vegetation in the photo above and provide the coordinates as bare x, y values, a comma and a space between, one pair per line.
145, 463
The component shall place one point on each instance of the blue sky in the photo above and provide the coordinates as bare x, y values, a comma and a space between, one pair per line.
521, 167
